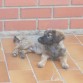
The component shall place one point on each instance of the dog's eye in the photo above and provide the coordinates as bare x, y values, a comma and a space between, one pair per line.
49, 36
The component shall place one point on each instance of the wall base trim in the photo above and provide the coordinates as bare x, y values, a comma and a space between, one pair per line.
12, 33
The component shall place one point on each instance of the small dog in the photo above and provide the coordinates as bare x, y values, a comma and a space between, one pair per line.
50, 45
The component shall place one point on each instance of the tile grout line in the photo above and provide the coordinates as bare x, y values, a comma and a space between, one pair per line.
62, 79
5, 60
32, 69
5, 82
47, 81
74, 62
79, 35
78, 39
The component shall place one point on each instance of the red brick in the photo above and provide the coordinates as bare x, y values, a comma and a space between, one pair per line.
20, 25
61, 2
54, 2
20, 2
46, 2
1, 25
36, 13
0, 2
77, 23
77, 2
54, 24
68, 12
8, 13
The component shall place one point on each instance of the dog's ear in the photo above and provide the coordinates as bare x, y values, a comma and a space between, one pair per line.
53, 32
45, 32
59, 36
16, 39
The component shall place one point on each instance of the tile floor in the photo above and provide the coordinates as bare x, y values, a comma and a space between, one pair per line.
16, 70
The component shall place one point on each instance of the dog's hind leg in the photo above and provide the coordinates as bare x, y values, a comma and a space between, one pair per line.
43, 61
63, 60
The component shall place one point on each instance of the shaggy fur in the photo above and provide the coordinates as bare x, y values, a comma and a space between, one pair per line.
50, 45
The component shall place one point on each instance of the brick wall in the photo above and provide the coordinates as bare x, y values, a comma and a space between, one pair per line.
40, 14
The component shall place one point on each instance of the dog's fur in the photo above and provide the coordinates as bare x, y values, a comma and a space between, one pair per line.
50, 45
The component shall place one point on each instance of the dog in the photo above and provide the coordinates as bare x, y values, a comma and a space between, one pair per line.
49, 46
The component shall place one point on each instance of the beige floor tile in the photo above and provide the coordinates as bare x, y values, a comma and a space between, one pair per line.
75, 50
1, 55
80, 37
70, 62
3, 73
72, 76
8, 45
22, 76
51, 82
20, 70
16, 63
70, 39
80, 64
46, 73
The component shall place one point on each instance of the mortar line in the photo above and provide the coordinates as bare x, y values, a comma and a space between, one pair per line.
5, 60
43, 6
69, 24
52, 11
47, 18
37, 23
3, 3
19, 13
38, 3
3, 26
37, 18
70, 2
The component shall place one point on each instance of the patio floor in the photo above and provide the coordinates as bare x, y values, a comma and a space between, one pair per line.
16, 70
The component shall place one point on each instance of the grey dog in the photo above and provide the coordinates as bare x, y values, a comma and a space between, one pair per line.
49, 45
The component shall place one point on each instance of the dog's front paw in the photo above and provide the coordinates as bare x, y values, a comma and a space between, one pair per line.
40, 65
14, 54
65, 66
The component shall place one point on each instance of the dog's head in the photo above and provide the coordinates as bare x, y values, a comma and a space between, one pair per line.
50, 37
